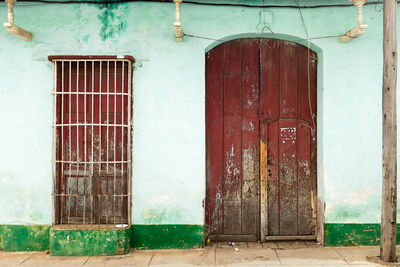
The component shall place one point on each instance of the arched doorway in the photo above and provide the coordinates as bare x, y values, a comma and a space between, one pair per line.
261, 140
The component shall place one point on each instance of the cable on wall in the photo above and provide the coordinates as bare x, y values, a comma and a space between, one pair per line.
196, 3
308, 66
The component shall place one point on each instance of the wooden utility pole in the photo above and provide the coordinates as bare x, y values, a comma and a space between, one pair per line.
389, 134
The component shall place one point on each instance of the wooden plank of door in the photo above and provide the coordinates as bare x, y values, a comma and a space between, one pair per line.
214, 140
250, 137
269, 111
288, 79
288, 139
263, 191
273, 178
313, 96
305, 192
232, 139
305, 104
288, 177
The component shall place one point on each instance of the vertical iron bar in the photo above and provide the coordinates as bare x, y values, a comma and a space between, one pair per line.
129, 141
100, 129
54, 141
108, 122
115, 122
70, 145
92, 155
61, 185
85, 148
121, 200
77, 142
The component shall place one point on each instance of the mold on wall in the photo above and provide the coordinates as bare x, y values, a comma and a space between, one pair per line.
113, 20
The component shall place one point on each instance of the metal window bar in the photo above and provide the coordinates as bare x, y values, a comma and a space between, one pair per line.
92, 126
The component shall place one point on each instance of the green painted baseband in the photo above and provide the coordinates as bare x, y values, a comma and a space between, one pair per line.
89, 242
111, 242
24, 237
354, 234
181, 236
99, 242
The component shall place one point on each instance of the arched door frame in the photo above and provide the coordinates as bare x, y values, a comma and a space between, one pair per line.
320, 174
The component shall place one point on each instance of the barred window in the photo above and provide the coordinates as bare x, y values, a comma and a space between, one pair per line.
92, 151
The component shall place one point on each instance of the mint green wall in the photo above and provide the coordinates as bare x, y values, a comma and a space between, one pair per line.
169, 127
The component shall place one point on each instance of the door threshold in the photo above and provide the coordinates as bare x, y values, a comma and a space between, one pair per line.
290, 237
236, 238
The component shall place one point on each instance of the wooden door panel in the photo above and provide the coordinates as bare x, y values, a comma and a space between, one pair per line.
269, 82
250, 136
304, 180
303, 88
273, 177
232, 155
260, 90
232, 57
288, 79
214, 140
288, 177
232, 205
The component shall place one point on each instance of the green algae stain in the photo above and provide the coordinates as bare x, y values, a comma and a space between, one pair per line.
113, 19
24, 237
86, 38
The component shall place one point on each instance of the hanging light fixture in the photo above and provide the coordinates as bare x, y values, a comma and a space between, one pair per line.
360, 28
177, 23
11, 27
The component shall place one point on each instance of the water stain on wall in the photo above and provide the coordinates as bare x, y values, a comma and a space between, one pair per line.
113, 19
161, 215
345, 212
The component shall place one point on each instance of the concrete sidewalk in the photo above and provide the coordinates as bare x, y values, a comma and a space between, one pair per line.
249, 254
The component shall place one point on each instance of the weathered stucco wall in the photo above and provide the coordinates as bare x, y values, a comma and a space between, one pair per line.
169, 123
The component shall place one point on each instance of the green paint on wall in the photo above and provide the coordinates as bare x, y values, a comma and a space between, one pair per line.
182, 236
89, 242
24, 237
86, 38
113, 20
99, 242
354, 234
1, 235
166, 236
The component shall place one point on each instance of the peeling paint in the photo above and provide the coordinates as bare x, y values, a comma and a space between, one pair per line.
89, 242
354, 234
24, 237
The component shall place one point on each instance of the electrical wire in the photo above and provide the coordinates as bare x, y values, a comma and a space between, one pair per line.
308, 68
222, 40
107, 2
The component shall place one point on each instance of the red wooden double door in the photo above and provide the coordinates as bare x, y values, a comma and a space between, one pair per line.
260, 140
